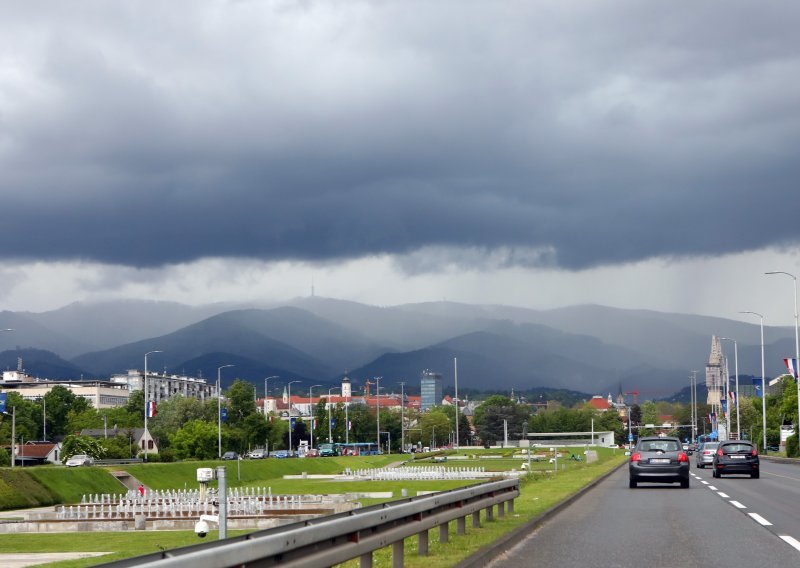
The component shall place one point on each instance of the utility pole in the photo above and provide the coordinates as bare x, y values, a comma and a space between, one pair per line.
455, 368
402, 417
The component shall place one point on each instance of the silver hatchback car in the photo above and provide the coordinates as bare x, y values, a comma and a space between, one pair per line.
705, 454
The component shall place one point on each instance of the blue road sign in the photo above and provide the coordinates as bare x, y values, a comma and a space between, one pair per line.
2, 402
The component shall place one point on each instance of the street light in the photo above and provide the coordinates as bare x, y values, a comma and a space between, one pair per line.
289, 388
311, 414
146, 402
455, 368
266, 391
378, 409
219, 408
736, 367
796, 346
402, 417
763, 383
330, 429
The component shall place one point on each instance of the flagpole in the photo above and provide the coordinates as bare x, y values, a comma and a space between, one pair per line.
146, 402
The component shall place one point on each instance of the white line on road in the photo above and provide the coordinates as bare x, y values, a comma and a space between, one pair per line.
792, 541
738, 505
704, 482
712, 488
760, 520
723, 495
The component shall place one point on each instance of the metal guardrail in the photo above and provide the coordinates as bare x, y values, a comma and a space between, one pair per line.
334, 539
118, 461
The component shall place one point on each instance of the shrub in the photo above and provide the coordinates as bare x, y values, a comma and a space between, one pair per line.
792, 449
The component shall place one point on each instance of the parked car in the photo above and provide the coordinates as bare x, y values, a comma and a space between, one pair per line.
736, 456
280, 454
705, 454
79, 460
658, 460
312, 453
257, 454
230, 456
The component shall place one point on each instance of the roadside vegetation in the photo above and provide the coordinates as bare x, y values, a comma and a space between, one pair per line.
540, 489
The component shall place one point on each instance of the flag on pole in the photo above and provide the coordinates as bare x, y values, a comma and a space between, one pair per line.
333, 423
791, 364
2, 402
292, 422
151, 409
314, 424
349, 425
732, 394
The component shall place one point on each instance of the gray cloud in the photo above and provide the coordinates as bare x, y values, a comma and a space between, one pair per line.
559, 133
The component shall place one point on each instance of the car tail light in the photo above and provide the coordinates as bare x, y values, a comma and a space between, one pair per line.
754, 453
719, 452
636, 457
682, 457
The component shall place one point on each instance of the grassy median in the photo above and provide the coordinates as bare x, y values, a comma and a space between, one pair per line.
540, 490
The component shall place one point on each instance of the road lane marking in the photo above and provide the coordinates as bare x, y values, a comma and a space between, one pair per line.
760, 520
713, 488
704, 482
723, 495
792, 541
738, 505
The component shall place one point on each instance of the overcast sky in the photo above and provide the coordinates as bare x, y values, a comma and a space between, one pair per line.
633, 154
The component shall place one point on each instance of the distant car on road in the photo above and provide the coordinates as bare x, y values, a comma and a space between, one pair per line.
705, 454
257, 454
658, 460
312, 453
79, 460
230, 456
736, 456
280, 454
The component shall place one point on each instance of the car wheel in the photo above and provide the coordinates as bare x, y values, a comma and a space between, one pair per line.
685, 483
755, 475
632, 484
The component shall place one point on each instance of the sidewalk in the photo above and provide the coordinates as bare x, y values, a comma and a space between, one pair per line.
22, 559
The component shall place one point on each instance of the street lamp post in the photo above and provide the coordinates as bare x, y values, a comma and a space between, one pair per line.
289, 388
763, 384
378, 409
266, 391
219, 409
736, 401
796, 346
330, 428
311, 414
147, 402
402, 417
455, 369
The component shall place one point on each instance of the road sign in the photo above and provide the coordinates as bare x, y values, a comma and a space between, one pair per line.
630, 437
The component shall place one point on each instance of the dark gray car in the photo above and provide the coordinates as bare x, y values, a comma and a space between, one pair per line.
659, 460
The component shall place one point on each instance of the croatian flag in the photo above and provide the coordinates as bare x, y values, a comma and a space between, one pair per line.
791, 364
349, 425
314, 424
151, 409
732, 394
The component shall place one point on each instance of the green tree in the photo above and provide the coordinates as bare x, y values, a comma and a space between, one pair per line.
196, 439
74, 445
87, 419
649, 416
172, 414
60, 401
497, 411
240, 402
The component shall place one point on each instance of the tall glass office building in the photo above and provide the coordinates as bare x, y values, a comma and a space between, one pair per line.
430, 389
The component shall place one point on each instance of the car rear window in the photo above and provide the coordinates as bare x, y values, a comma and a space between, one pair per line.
737, 448
660, 445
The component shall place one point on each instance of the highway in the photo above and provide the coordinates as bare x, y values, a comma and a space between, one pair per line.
735, 521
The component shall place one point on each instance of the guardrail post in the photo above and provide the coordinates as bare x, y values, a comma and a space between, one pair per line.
501, 509
423, 543
476, 520
489, 513
365, 560
461, 525
510, 506
398, 554
444, 534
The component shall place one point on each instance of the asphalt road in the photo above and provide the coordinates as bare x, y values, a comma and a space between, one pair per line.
710, 524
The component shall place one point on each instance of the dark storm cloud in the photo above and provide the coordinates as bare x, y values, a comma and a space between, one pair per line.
578, 134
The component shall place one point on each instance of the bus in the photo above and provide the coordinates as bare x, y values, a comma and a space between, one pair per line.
357, 449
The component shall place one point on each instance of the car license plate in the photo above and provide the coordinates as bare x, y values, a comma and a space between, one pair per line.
659, 460
737, 457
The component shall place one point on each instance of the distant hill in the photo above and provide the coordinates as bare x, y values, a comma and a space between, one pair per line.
41, 364
592, 349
